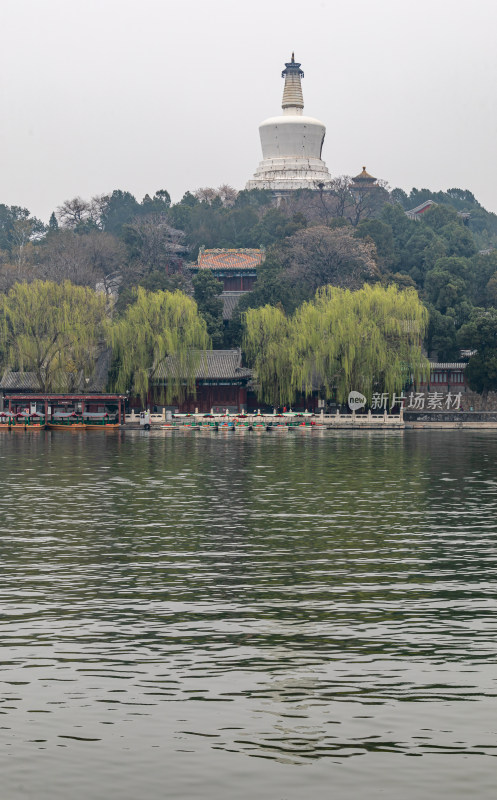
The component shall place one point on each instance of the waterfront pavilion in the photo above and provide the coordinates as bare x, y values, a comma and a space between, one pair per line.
21, 391
220, 383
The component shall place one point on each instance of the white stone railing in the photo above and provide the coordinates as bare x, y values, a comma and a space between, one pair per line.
322, 419
364, 419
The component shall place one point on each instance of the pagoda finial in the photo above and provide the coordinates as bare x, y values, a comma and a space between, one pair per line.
292, 93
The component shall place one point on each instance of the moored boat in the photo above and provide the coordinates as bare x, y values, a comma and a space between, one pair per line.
209, 421
7, 419
185, 422
242, 423
277, 424
96, 420
226, 423
66, 421
29, 419
258, 422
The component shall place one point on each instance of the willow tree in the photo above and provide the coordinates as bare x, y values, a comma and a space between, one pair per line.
53, 330
158, 341
267, 334
366, 340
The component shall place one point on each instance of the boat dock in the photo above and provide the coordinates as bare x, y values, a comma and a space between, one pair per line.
269, 422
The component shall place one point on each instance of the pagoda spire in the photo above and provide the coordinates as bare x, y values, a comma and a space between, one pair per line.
293, 98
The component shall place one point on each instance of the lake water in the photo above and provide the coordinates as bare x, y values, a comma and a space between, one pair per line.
229, 616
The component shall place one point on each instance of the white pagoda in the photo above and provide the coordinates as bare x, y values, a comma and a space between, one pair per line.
291, 143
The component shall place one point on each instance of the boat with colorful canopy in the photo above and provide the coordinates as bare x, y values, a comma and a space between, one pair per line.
29, 419
66, 421
226, 422
243, 423
209, 422
97, 420
277, 424
184, 422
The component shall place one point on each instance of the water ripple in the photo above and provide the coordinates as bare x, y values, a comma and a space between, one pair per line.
300, 600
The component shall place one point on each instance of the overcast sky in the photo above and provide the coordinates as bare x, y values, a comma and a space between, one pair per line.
142, 95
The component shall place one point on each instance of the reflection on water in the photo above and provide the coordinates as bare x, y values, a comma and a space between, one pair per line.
221, 616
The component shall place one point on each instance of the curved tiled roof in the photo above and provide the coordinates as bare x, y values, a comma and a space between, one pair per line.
212, 365
28, 381
421, 208
230, 302
20, 381
364, 176
248, 258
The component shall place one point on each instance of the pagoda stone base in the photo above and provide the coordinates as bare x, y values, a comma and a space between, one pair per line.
290, 174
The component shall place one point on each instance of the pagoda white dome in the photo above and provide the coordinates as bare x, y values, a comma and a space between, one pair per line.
291, 143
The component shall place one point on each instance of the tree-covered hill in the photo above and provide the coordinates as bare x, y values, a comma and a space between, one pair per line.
312, 239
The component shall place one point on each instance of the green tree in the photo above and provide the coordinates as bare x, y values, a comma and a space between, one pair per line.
400, 196
441, 336
275, 225
207, 293
257, 198
53, 330
402, 229
482, 267
238, 227
481, 334
382, 236
18, 229
438, 217
119, 209
341, 339
446, 284
491, 289
459, 240
162, 196
416, 254
400, 279
205, 226
267, 333
158, 338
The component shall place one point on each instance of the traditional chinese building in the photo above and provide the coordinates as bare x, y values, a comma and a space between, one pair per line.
417, 212
364, 182
291, 143
444, 377
22, 391
220, 382
442, 390
236, 269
